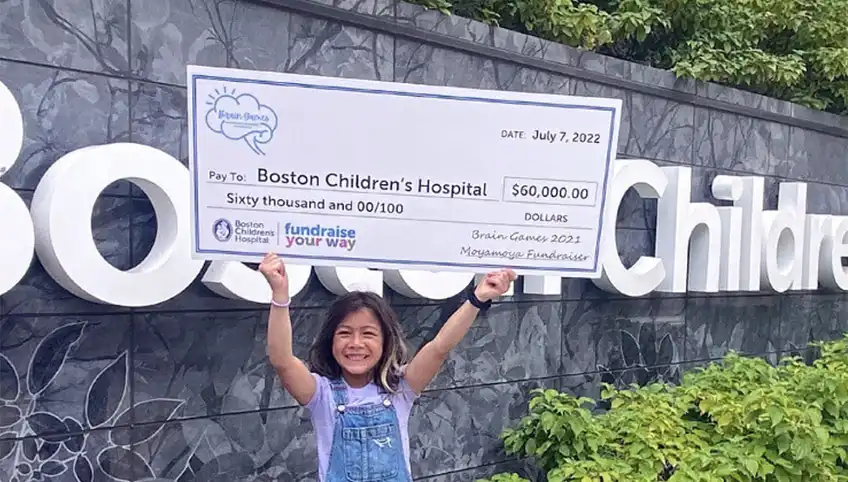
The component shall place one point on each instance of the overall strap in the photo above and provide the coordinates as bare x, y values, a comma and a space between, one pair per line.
339, 392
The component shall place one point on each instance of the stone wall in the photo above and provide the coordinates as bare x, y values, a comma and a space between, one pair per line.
207, 406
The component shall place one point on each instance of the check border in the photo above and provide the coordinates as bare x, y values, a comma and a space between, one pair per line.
374, 91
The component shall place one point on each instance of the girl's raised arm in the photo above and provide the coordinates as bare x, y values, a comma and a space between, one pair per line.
431, 356
293, 373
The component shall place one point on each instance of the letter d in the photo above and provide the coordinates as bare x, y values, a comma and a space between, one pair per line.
783, 239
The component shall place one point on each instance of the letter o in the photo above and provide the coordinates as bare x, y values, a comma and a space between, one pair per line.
62, 207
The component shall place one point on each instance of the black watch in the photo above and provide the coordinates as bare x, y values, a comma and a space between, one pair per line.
472, 298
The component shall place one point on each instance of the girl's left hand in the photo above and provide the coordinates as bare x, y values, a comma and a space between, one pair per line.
494, 284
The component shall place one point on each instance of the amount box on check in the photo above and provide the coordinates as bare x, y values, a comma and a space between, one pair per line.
550, 191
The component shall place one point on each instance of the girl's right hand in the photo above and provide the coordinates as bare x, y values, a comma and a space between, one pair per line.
274, 270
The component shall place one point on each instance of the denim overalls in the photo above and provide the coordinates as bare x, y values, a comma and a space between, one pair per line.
367, 444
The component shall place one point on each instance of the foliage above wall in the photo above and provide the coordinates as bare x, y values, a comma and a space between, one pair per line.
742, 419
795, 50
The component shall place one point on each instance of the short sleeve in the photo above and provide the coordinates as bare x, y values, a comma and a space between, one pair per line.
320, 397
405, 391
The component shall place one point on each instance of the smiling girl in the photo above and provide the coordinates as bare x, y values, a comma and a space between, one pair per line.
358, 387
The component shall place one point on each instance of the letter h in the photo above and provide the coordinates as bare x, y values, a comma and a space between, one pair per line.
681, 222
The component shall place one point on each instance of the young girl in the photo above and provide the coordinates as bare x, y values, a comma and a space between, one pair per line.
361, 389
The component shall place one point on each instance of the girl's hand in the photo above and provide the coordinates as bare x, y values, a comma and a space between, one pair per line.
432, 355
494, 284
274, 270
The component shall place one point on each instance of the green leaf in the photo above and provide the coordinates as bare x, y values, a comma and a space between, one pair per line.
739, 419
794, 50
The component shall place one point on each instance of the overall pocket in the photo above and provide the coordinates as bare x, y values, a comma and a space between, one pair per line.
371, 453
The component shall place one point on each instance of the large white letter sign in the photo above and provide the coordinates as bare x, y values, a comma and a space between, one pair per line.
433, 285
833, 274
783, 239
12, 133
236, 281
816, 230
678, 221
62, 207
729, 188
344, 279
751, 203
649, 181
18, 239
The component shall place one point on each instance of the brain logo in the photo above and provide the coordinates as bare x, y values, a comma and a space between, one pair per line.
241, 117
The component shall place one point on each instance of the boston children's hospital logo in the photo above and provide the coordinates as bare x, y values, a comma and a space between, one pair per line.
241, 117
222, 230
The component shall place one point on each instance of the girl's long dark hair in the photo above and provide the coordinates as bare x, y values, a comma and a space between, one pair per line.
388, 369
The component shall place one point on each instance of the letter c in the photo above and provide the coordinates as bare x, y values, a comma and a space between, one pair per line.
649, 181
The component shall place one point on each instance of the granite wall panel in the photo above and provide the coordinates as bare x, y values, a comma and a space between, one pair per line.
659, 129
82, 35
182, 392
63, 110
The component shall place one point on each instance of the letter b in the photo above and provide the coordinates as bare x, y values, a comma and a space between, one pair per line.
17, 244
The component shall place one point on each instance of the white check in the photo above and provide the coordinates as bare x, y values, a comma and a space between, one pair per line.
341, 172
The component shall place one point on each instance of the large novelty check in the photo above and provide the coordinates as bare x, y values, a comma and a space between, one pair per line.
340, 172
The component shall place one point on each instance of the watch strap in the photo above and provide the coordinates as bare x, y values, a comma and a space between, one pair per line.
476, 302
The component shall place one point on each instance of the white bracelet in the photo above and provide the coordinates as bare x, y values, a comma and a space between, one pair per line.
281, 305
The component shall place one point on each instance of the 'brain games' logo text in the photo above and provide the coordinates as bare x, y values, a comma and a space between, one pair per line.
241, 116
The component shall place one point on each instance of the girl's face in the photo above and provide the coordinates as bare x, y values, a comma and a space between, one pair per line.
358, 344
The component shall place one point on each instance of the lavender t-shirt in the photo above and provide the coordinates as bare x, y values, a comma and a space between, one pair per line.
322, 411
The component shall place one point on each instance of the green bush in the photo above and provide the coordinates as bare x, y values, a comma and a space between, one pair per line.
739, 419
504, 478
795, 50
